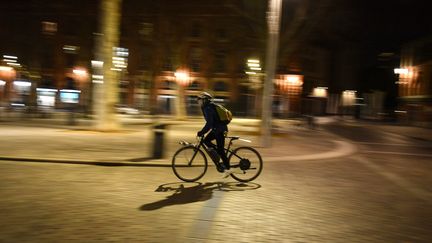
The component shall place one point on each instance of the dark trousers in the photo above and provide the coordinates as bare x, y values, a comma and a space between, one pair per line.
220, 145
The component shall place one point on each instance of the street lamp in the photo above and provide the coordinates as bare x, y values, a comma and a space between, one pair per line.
273, 21
183, 79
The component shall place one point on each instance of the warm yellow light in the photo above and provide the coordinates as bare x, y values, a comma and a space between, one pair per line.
181, 75
10, 57
80, 72
97, 64
401, 71
253, 61
293, 80
182, 78
320, 92
253, 65
348, 97
5, 68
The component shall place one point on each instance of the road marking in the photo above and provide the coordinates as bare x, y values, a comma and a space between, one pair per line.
395, 153
399, 181
395, 144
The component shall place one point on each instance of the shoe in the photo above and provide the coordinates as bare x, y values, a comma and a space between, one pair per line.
226, 173
220, 168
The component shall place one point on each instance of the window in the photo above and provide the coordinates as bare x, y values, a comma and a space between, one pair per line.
221, 34
195, 59
194, 86
220, 86
220, 61
70, 60
70, 27
168, 85
145, 58
49, 28
123, 84
145, 84
146, 31
167, 63
196, 30
47, 56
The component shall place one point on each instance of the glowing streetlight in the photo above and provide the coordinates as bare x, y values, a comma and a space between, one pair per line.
183, 79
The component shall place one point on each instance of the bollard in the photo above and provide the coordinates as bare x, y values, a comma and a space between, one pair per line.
158, 141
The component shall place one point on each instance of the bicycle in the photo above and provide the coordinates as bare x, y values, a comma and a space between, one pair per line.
189, 163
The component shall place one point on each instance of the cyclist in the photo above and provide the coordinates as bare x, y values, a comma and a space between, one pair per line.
217, 129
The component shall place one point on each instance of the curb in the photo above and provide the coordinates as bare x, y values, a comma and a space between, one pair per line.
153, 163
342, 149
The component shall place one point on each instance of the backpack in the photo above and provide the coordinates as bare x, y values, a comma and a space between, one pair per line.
225, 115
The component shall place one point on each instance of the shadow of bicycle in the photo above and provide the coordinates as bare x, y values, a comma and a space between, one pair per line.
185, 193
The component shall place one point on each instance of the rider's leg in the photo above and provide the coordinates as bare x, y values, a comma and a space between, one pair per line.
220, 141
207, 140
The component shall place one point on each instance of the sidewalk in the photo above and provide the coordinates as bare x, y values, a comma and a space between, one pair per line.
38, 141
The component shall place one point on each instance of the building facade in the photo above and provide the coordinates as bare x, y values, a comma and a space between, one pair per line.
207, 42
415, 82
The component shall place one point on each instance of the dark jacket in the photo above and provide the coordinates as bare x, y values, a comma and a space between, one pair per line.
212, 119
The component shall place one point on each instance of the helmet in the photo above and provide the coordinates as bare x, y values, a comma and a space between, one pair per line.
205, 96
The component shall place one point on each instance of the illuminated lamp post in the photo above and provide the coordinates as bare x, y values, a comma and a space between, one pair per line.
183, 79
273, 21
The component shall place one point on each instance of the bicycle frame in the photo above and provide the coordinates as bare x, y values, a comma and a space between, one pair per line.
201, 143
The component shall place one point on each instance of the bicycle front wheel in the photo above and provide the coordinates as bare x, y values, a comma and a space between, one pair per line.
246, 163
189, 164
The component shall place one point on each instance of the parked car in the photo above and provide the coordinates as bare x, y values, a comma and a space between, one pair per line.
127, 110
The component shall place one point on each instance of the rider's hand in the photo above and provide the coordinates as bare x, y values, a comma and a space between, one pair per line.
200, 134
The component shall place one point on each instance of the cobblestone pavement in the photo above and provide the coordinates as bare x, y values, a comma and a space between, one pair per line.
351, 199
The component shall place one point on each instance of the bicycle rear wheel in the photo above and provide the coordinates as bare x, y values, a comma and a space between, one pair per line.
189, 164
246, 163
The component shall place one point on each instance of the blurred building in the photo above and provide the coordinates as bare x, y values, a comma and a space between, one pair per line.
209, 42
415, 82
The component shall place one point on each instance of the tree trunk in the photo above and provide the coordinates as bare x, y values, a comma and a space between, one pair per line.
106, 93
